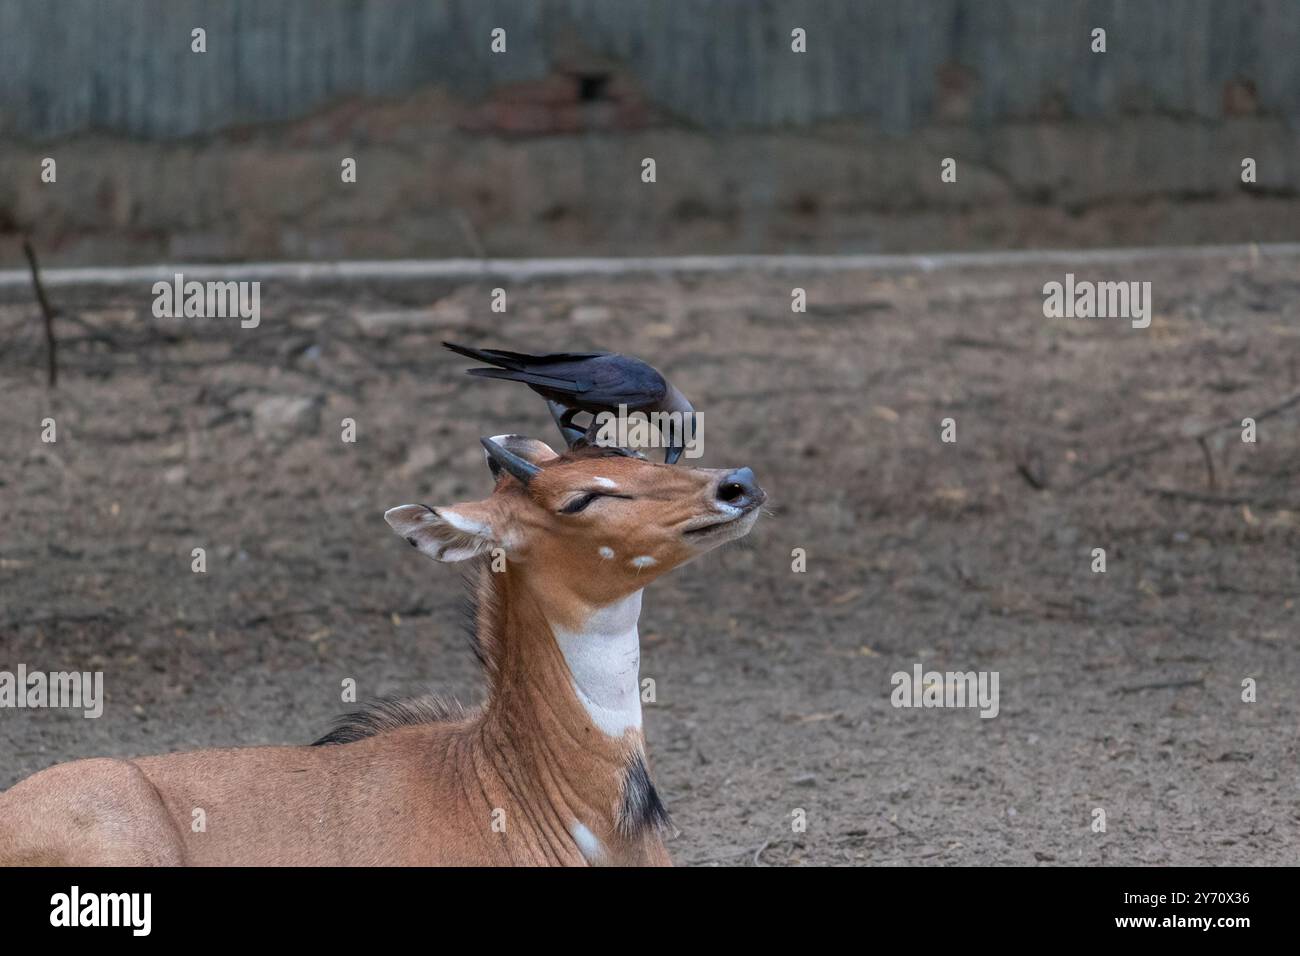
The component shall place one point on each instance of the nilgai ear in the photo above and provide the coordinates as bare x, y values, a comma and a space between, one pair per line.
531, 450
457, 533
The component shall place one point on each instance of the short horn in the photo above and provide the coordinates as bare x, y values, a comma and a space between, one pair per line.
523, 470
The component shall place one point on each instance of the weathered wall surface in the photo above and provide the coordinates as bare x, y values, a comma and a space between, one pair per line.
125, 66
234, 153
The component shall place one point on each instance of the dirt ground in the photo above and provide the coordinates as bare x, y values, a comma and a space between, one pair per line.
1119, 691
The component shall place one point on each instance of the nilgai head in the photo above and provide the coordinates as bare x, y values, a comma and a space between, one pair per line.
592, 525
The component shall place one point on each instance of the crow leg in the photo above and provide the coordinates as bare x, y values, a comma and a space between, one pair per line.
564, 416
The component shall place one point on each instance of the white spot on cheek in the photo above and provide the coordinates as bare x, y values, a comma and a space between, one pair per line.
644, 561
605, 483
605, 552
591, 848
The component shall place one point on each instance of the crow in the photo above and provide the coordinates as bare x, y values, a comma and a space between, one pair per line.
595, 382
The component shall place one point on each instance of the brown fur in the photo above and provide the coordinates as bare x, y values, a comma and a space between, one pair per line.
413, 788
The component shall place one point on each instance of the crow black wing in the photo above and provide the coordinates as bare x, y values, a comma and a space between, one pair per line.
615, 380
562, 386
520, 360
591, 378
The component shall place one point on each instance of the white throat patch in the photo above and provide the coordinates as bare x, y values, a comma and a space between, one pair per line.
593, 851
604, 659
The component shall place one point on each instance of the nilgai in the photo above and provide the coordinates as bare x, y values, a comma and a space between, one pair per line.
551, 770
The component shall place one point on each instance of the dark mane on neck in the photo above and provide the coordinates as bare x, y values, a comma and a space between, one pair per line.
481, 617
390, 713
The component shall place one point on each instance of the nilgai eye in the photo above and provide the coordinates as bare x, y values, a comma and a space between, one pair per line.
577, 504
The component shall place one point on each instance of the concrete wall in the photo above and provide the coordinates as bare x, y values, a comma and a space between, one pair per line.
125, 66
234, 153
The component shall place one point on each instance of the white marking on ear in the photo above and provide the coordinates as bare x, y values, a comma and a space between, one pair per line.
463, 524
443, 535
605, 552
452, 555
605, 483
604, 661
591, 848
644, 561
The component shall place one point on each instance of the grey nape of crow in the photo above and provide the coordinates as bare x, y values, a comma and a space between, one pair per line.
595, 382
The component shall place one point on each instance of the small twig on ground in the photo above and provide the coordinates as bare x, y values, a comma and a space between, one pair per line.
722, 857
1209, 461
471, 234
95, 334
1177, 494
1159, 446
1162, 685
1198, 497
1033, 475
51, 345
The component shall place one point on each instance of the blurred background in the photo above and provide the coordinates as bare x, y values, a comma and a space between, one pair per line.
1120, 690
234, 154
